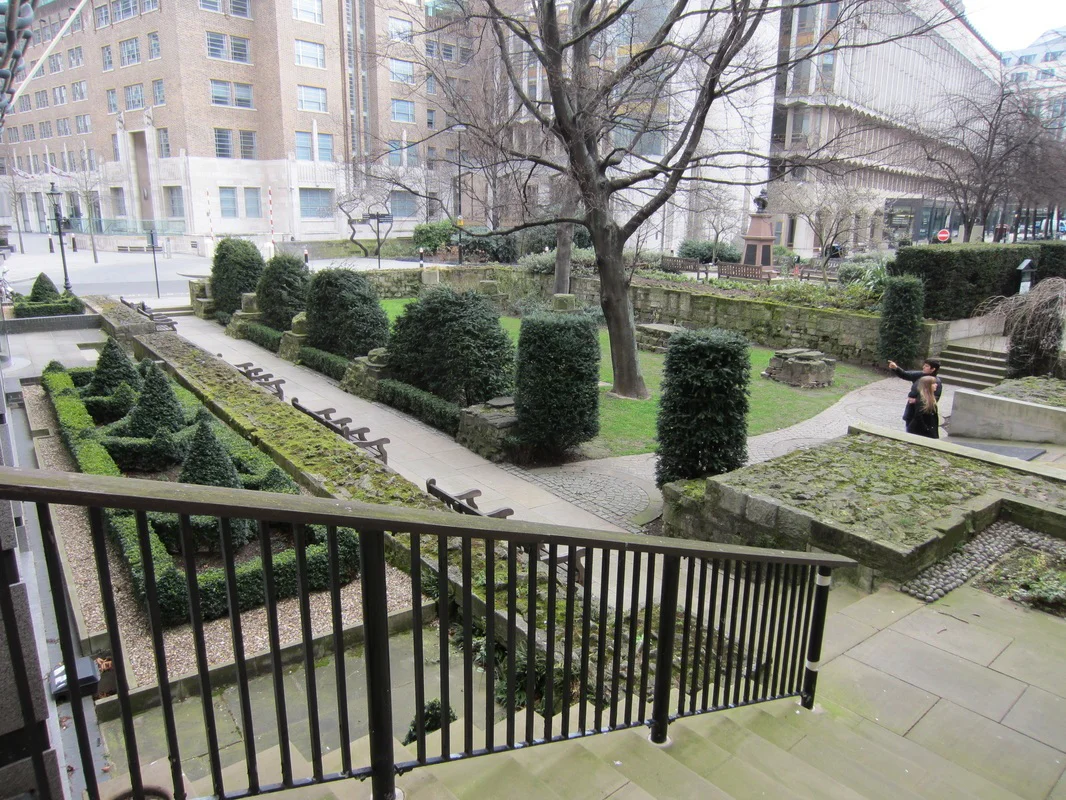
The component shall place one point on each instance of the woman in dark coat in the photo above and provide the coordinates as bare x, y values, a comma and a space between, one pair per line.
922, 416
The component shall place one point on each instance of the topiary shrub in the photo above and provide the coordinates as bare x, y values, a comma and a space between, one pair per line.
282, 290
850, 273
432, 410
704, 251
262, 335
326, 363
557, 383
157, 409
702, 425
43, 291
343, 314
432, 236
235, 270
432, 715
901, 320
112, 407
113, 367
451, 344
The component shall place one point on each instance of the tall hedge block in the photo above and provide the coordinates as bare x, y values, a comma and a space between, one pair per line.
235, 270
901, 320
451, 344
1051, 261
157, 409
557, 383
282, 290
344, 315
703, 410
208, 463
43, 291
113, 367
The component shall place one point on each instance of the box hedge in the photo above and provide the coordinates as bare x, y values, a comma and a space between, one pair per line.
328, 364
262, 335
236, 269
43, 290
64, 305
432, 410
157, 408
900, 329
113, 367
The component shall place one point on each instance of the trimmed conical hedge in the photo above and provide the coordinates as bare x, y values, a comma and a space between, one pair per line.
344, 316
235, 270
113, 368
43, 291
157, 409
282, 290
208, 463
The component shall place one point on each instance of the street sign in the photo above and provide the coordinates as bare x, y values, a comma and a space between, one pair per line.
943, 235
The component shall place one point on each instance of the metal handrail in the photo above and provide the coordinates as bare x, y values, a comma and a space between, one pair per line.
137, 494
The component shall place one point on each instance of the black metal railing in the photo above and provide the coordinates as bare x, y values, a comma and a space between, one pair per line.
661, 628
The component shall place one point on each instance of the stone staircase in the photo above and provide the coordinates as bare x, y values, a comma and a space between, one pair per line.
971, 367
176, 311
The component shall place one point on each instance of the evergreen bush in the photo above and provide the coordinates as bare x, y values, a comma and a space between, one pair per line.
344, 316
850, 273
704, 251
432, 720
326, 363
235, 270
1051, 261
113, 367
534, 240
451, 344
901, 320
262, 335
432, 235
112, 407
208, 463
43, 291
544, 263
157, 409
66, 304
282, 290
702, 425
557, 383
432, 410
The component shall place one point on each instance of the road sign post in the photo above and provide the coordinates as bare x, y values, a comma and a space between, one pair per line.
155, 264
943, 235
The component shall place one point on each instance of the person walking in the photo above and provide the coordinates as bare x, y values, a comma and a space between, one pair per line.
930, 368
922, 416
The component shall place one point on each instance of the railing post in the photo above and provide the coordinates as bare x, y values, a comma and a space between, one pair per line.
814, 644
664, 657
378, 671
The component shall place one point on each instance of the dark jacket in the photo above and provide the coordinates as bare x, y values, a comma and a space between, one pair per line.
922, 423
914, 375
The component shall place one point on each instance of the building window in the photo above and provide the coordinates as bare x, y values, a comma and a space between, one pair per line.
401, 30
12, 135
123, 9
75, 57
432, 50
46, 130
25, 103
304, 146
223, 143
466, 55
412, 155
36, 163
253, 204
310, 54
325, 147
447, 52
431, 84
227, 201
403, 205
431, 158
311, 98
211, 5
431, 119
403, 111
149, 5
40, 99
238, 95
240, 8
59, 95
55, 63
159, 96
129, 52
401, 71
162, 137
112, 101
153, 46
78, 91
175, 201
63, 127
82, 123
105, 52
1045, 74
29, 133
316, 203
103, 16
228, 48
118, 201
248, 145
395, 153
134, 96
308, 11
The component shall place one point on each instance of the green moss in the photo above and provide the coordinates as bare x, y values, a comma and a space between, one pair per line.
1046, 391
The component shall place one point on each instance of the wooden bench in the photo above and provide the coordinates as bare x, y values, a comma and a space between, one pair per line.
745, 272
679, 265
814, 271
265, 379
357, 436
162, 321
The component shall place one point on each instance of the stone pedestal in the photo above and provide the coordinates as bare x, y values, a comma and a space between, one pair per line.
759, 240
491, 290
299, 323
654, 336
249, 311
291, 344
809, 369
431, 277
565, 304
204, 307
484, 429
363, 374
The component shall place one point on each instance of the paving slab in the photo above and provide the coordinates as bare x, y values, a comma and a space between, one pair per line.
1041, 715
948, 632
1000, 615
883, 608
972, 686
1039, 663
1016, 762
878, 696
842, 633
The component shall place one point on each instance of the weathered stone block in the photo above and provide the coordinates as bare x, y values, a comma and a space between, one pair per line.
732, 501
564, 303
761, 510
290, 345
430, 277
483, 429
203, 307
299, 323
249, 303
794, 525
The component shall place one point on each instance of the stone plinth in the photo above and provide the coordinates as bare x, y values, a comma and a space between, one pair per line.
801, 367
431, 277
363, 374
299, 323
484, 429
199, 288
249, 303
203, 307
291, 344
565, 304
654, 336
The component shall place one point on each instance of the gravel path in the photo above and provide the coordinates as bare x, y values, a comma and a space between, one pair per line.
73, 524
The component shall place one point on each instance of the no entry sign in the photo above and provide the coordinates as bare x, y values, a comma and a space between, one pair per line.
943, 235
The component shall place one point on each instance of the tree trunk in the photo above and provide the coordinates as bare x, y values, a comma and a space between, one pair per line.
618, 312
564, 242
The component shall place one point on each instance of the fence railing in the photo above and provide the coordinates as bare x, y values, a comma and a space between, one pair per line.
125, 227
661, 629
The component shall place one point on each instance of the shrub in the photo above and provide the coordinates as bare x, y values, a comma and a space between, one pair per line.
432, 235
500, 248
157, 409
544, 263
901, 319
267, 338
235, 270
111, 407
113, 367
208, 463
850, 273
432, 715
81, 376
1051, 261
704, 251
1034, 325
343, 314
144, 455
282, 290
429, 408
63, 305
43, 291
452, 345
557, 383
326, 363
702, 425
223, 318
534, 240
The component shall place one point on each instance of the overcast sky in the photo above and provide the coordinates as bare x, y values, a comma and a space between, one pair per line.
1014, 24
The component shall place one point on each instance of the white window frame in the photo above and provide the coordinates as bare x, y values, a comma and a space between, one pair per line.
304, 101
133, 56
308, 11
316, 59
230, 191
398, 103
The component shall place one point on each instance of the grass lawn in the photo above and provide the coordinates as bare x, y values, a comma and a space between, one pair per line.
627, 427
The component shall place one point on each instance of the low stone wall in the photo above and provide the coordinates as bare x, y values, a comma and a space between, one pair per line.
484, 429
119, 320
66, 322
986, 416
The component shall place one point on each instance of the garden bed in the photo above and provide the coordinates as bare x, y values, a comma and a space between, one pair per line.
1045, 391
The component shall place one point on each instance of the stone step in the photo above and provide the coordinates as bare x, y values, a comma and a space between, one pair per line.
495, 777
991, 356
967, 379
956, 364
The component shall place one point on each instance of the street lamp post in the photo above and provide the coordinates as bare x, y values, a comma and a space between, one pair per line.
459, 131
54, 196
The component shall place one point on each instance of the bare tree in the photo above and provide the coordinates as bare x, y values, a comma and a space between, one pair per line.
715, 210
86, 180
